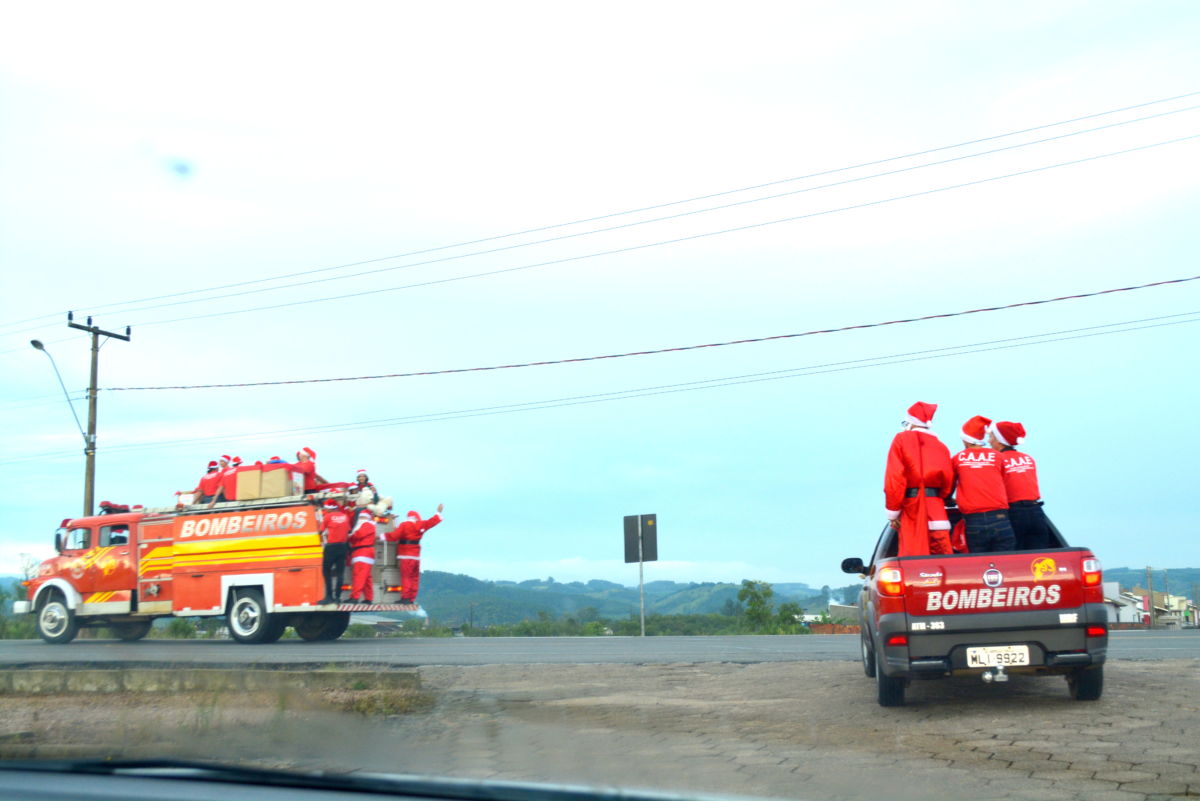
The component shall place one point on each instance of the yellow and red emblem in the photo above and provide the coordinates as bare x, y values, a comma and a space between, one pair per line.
1043, 567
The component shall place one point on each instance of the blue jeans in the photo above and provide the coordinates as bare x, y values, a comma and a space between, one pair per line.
1030, 526
989, 531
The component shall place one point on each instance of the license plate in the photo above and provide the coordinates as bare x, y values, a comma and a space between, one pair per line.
998, 656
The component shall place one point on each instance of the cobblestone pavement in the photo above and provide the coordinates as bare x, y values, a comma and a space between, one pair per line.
811, 730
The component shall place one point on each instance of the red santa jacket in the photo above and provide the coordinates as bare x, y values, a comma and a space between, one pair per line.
362, 538
917, 459
918, 463
1020, 476
979, 484
335, 525
408, 534
309, 471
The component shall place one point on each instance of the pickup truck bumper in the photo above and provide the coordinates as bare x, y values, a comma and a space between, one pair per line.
1057, 641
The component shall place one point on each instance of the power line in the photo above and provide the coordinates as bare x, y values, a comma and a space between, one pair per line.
677, 349
690, 386
642, 209
676, 240
652, 220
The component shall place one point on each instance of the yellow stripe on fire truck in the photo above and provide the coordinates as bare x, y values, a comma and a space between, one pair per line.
246, 544
190, 563
93, 556
159, 559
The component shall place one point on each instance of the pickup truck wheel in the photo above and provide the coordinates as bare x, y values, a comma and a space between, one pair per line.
868, 657
248, 619
890, 689
130, 632
1086, 684
318, 626
56, 622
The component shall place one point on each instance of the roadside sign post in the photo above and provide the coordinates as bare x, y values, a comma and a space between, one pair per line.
641, 546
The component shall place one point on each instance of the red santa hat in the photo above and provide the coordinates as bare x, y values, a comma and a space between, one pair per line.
920, 414
213, 465
311, 453
236, 461
975, 429
1009, 434
360, 472
330, 503
412, 515
226, 459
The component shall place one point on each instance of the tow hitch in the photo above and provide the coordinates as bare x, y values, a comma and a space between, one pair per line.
996, 674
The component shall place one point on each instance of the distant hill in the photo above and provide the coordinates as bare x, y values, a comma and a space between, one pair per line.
1179, 581
451, 598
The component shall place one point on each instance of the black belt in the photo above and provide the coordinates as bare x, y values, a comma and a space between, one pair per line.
1026, 503
930, 492
408, 542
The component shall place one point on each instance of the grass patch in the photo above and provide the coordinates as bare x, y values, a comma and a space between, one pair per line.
380, 703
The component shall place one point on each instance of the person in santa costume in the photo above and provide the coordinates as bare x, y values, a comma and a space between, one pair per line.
918, 479
362, 557
1029, 522
305, 469
407, 537
979, 491
363, 490
210, 482
335, 535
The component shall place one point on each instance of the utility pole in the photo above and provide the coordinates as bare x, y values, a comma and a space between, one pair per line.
89, 474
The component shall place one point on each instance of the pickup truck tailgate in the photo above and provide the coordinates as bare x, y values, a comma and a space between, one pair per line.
994, 582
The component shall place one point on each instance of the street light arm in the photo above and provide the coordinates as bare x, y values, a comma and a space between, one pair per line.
38, 345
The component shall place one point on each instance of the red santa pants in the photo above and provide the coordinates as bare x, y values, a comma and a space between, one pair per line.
410, 575
917, 535
360, 578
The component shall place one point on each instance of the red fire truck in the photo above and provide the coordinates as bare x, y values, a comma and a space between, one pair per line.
256, 563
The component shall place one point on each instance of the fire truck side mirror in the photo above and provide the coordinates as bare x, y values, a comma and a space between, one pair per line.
58, 541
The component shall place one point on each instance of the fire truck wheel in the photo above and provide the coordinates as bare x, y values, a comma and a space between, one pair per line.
1086, 684
130, 632
321, 625
56, 622
276, 625
248, 619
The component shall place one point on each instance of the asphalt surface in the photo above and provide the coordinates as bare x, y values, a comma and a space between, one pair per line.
1133, 645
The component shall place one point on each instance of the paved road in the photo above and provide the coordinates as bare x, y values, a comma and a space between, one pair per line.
1136, 645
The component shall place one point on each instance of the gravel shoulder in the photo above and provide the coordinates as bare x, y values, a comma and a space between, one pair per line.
778, 729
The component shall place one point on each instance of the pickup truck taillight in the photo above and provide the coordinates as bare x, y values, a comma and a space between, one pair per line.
1092, 574
890, 580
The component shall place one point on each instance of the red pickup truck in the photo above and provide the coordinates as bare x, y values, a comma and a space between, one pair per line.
987, 614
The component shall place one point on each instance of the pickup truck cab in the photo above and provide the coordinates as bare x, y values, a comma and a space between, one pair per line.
986, 614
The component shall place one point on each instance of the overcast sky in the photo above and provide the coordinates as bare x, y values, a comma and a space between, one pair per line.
386, 177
